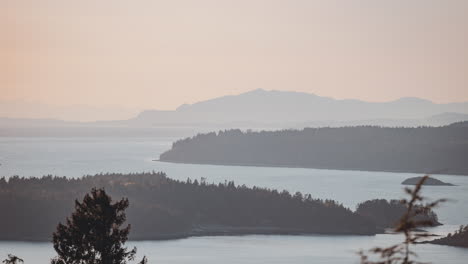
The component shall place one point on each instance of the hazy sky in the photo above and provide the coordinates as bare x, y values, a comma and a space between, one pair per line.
160, 54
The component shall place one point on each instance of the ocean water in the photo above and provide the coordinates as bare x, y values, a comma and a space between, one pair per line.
74, 157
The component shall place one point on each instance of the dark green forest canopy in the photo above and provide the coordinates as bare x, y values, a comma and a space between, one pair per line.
432, 150
162, 208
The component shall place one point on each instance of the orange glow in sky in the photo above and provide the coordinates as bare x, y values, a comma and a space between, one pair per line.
160, 54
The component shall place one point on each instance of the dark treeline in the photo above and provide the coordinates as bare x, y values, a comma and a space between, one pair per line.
388, 213
163, 208
458, 239
422, 150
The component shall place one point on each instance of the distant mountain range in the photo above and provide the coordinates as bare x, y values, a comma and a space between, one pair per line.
278, 109
261, 109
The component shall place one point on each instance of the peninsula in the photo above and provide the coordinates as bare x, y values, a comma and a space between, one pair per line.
428, 150
163, 208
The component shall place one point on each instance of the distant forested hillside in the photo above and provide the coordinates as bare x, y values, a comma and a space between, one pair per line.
435, 150
162, 208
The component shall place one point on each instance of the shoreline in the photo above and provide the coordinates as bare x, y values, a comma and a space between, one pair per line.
216, 231
302, 167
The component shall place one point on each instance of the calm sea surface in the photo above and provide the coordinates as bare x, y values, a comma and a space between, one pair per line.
74, 157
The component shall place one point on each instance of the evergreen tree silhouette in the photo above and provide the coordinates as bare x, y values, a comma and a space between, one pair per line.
94, 233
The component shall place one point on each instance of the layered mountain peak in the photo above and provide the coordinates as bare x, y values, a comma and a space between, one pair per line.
262, 106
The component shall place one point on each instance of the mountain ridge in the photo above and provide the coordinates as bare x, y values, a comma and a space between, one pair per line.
261, 108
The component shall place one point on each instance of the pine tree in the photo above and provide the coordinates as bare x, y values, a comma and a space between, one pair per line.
94, 233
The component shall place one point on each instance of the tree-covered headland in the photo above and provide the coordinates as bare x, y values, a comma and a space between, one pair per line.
163, 208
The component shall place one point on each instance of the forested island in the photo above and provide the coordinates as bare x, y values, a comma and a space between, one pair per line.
163, 208
430, 181
433, 150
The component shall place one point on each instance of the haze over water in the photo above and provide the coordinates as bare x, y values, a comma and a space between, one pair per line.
90, 87
74, 157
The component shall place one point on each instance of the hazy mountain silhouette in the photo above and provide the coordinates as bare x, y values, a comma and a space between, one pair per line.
261, 107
